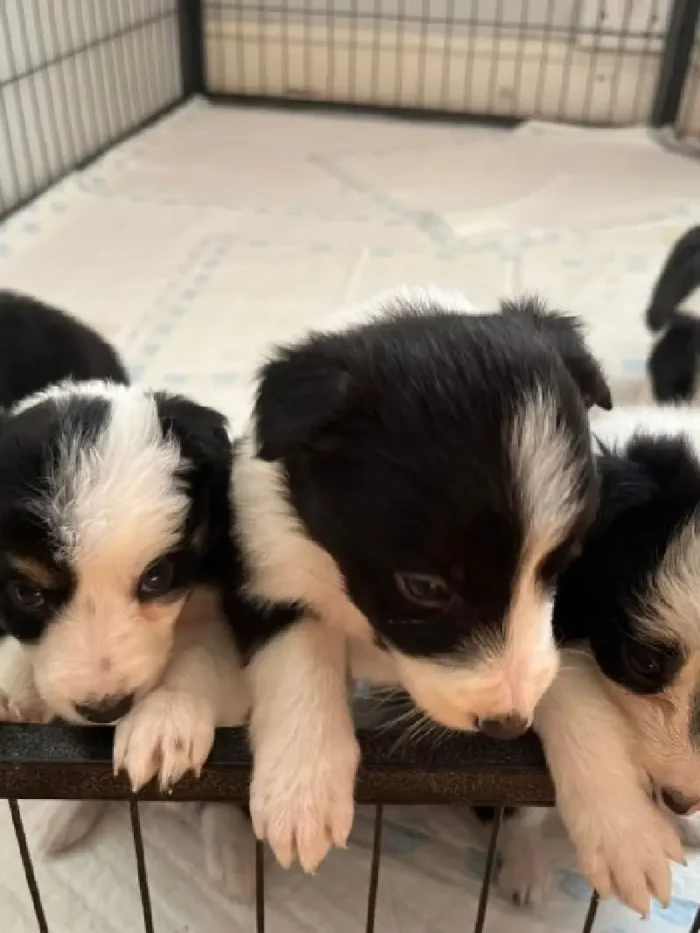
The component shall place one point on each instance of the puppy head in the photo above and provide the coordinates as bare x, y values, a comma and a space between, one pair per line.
105, 521
443, 461
642, 576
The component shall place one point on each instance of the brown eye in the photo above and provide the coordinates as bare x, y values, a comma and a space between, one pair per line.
26, 595
157, 580
424, 589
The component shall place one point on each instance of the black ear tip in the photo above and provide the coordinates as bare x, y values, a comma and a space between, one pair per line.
606, 400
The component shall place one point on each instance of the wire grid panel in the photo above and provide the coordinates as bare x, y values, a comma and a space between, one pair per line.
591, 61
688, 123
75, 76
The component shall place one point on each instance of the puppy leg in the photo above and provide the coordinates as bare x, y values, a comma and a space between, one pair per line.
229, 854
171, 730
57, 826
525, 876
304, 745
623, 840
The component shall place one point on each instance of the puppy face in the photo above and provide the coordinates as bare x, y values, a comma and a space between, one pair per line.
104, 527
443, 462
637, 589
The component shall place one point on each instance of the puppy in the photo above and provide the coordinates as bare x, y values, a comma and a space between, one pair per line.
622, 721
41, 345
673, 361
404, 497
114, 521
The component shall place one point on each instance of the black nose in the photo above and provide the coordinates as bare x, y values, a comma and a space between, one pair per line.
105, 711
677, 802
510, 727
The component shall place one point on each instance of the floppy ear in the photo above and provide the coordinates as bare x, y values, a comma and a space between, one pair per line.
564, 332
202, 433
300, 392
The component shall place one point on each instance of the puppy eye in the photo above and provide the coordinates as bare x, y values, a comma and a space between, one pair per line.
26, 595
648, 668
157, 580
424, 589
556, 562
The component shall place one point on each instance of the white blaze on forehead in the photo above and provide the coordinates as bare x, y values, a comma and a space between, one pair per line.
671, 603
118, 495
546, 473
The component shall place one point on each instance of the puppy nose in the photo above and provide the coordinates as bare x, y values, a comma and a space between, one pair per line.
509, 727
677, 802
105, 711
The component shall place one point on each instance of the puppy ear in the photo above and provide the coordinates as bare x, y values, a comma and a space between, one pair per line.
679, 277
202, 433
564, 332
301, 392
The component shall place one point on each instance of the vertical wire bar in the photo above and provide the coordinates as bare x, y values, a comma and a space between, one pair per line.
590, 80
398, 77
495, 56
31, 80
376, 51
27, 865
307, 18
119, 44
98, 59
644, 58
696, 923
141, 866
569, 58
521, 39
240, 46
259, 887
422, 53
331, 51
148, 65
159, 59
21, 120
620, 55
352, 62
447, 44
591, 913
45, 56
488, 871
374, 869
263, 84
81, 124
544, 64
285, 48
16, 194
472, 31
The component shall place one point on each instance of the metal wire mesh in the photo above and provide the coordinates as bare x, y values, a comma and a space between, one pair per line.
586, 61
75, 77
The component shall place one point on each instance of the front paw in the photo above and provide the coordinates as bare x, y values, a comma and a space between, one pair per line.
624, 850
17, 712
303, 805
167, 734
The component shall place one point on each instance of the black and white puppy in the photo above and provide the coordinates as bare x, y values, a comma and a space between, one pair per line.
404, 498
622, 721
114, 526
673, 361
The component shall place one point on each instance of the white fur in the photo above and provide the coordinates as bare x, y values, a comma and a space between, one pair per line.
623, 840
525, 875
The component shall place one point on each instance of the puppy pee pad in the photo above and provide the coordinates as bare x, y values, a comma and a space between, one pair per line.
219, 230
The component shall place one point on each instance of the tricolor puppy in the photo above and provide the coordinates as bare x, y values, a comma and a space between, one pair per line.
114, 525
407, 492
622, 722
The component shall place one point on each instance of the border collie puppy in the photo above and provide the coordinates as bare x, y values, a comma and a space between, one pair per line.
673, 362
41, 345
407, 491
114, 523
622, 720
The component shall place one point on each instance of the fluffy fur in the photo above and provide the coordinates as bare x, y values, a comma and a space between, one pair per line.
622, 721
404, 498
673, 362
114, 526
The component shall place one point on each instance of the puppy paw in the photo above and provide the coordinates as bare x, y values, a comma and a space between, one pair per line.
303, 805
228, 850
166, 735
57, 826
625, 848
16, 711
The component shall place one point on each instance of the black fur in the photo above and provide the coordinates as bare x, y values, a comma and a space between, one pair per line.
41, 345
392, 439
673, 361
